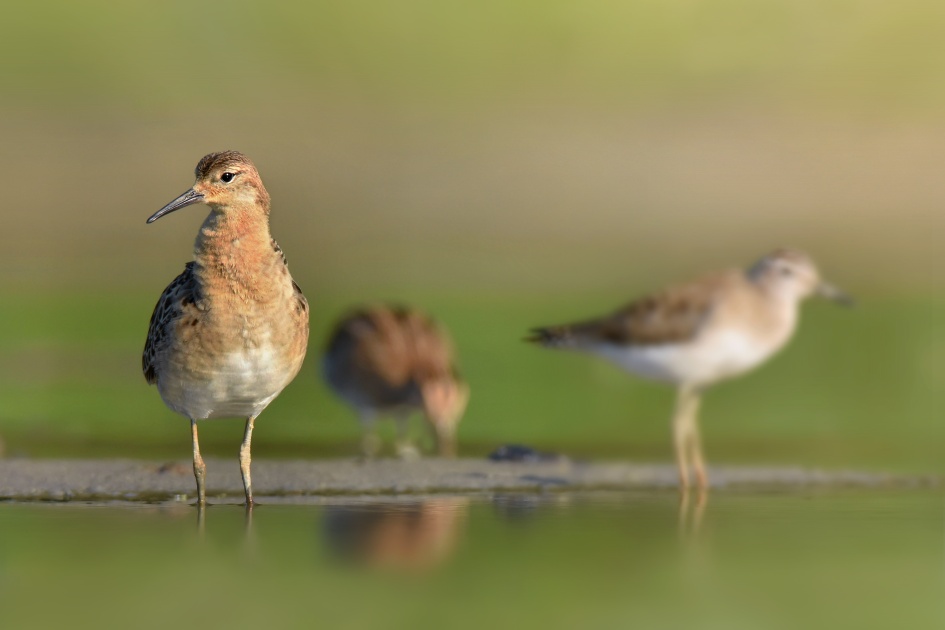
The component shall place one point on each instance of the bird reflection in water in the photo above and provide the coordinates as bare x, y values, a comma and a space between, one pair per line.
692, 504
249, 532
525, 507
414, 536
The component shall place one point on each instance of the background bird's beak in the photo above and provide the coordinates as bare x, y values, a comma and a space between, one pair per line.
188, 198
831, 292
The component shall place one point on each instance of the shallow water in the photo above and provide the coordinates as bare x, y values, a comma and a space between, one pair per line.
847, 558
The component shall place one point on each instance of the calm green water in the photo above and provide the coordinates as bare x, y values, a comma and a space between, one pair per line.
847, 559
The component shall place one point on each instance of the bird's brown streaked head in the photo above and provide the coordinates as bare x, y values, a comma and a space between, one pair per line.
224, 179
794, 275
444, 402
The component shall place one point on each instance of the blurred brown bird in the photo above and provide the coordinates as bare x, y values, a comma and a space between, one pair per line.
231, 331
412, 536
385, 360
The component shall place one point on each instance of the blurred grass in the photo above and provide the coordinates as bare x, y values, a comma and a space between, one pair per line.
154, 57
856, 388
502, 164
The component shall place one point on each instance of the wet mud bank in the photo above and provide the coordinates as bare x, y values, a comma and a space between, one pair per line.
135, 480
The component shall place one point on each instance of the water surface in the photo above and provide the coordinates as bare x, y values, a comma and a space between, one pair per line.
839, 559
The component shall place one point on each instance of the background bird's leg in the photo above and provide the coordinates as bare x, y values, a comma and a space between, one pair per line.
370, 442
200, 469
687, 403
695, 443
444, 437
405, 448
245, 459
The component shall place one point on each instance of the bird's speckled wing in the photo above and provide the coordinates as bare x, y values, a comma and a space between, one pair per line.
382, 353
178, 298
432, 352
301, 305
671, 316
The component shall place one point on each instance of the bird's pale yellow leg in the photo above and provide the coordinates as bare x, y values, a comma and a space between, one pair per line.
680, 436
695, 444
686, 440
370, 442
200, 469
445, 440
245, 460
405, 447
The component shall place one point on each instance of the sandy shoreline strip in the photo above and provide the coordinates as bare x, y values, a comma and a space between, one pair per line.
136, 480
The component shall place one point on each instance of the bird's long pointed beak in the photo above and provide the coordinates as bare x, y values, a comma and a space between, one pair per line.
827, 290
186, 199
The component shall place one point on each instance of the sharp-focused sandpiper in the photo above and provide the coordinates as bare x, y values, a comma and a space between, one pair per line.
701, 333
230, 332
385, 360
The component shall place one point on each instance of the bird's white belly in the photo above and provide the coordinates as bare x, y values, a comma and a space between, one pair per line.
241, 384
702, 361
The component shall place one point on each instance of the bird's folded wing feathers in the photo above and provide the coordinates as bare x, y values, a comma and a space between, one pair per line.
178, 296
671, 316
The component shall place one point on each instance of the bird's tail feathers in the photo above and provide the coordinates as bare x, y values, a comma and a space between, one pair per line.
552, 336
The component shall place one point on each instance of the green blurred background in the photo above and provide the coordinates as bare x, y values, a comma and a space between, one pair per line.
503, 165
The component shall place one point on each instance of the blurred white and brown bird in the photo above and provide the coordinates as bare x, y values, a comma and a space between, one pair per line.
393, 361
697, 334
230, 332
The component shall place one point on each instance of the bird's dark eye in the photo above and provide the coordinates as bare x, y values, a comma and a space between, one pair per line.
786, 271
227, 177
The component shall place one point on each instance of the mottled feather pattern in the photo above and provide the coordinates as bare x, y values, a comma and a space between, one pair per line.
385, 353
671, 316
232, 159
301, 304
178, 297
